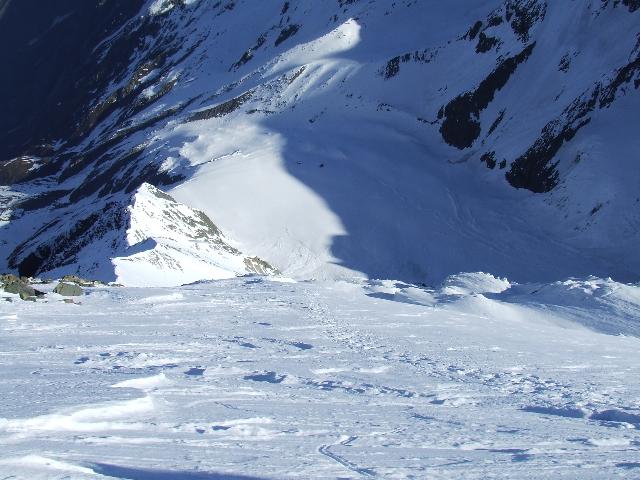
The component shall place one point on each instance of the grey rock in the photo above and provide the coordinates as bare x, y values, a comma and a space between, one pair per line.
83, 282
12, 284
21, 288
68, 290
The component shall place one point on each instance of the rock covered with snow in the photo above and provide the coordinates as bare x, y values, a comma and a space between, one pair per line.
172, 244
145, 238
471, 283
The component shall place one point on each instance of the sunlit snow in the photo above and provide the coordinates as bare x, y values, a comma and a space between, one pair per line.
270, 380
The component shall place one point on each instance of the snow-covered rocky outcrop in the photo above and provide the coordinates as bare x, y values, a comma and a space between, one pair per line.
142, 239
404, 139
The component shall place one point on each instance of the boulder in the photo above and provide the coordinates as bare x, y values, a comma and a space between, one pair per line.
8, 277
12, 284
68, 290
80, 281
19, 288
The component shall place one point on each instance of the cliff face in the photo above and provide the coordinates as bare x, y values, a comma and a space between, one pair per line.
403, 139
50, 71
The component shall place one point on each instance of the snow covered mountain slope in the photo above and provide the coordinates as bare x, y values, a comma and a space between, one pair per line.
400, 139
149, 240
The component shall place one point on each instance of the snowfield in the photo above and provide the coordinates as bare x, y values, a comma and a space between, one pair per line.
250, 170
257, 378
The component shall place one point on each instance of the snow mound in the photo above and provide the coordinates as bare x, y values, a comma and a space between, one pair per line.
471, 283
170, 244
42, 467
600, 304
146, 383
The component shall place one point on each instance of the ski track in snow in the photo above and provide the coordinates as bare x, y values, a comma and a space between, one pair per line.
249, 378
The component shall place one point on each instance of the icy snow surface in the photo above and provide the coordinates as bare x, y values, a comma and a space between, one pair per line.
253, 378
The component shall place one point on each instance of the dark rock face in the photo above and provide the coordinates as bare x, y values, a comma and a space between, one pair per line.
486, 43
16, 169
496, 122
223, 109
533, 169
632, 5
64, 62
489, 159
41, 201
461, 125
473, 31
343, 3
286, 33
248, 55
523, 14
536, 170
33, 256
393, 68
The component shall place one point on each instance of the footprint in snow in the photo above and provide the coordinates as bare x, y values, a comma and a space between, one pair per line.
217, 428
195, 371
269, 377
240, 341
300, 345
563, 411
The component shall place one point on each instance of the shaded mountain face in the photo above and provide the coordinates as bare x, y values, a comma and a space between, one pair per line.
391, 139
50, 74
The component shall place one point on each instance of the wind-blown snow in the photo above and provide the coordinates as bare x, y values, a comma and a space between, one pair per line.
479, 378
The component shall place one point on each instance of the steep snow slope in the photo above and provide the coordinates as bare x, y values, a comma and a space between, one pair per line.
374, 138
